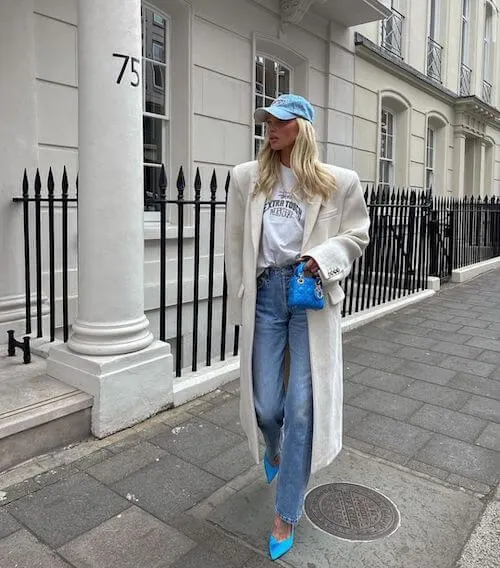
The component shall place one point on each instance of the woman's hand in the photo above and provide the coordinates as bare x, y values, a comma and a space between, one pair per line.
311, 265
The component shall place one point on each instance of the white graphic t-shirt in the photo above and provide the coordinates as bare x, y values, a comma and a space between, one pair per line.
282, 225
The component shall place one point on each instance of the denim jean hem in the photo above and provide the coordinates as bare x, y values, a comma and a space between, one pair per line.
288, 519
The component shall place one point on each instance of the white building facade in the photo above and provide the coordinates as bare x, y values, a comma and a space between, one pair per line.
405, 92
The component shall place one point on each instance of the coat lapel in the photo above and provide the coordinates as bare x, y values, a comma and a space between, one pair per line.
312, 212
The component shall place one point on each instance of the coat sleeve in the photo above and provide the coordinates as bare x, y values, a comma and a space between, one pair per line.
336, 255
233, 249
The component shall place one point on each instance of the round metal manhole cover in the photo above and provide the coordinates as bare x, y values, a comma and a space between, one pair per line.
351, 512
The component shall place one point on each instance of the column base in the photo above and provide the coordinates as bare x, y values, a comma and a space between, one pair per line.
110, 339
127, 389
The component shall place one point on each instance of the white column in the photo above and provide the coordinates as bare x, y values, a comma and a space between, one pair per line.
110, 212
111, 353
17, 151
459, 165
482, 167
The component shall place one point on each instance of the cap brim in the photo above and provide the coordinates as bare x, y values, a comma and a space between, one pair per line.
262, 114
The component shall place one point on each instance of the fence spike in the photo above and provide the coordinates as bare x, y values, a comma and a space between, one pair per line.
77, 176
228, 181
25, 183
38, 184
181, 184
213, 186
50, 183
385, 195
162, 182
64, 183
197, 184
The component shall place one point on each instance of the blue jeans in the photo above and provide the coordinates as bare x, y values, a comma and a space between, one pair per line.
284, 414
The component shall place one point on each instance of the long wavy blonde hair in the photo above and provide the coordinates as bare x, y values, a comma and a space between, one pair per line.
312, 177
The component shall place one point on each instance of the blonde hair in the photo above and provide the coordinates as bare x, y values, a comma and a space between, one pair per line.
312, 177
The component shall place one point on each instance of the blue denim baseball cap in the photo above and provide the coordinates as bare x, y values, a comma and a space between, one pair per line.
286, 107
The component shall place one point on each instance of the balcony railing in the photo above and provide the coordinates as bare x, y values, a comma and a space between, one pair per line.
465, 79
392, 33
434, 59
486, 94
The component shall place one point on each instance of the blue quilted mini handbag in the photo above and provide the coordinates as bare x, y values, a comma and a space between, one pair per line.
305, 292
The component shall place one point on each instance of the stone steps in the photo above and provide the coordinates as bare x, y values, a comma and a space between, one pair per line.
38, 414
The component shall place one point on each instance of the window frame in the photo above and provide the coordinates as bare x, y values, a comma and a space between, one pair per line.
400, 107
439, 124
392, 28
259, 138
464, 33
434, 28
430, 151
383, 159
152, 63
488, 43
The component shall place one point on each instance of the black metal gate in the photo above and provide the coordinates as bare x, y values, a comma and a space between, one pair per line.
441, 231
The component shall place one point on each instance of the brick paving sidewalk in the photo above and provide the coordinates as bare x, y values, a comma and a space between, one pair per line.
422, 385
422, 391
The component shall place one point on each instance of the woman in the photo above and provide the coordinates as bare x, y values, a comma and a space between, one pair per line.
283, 208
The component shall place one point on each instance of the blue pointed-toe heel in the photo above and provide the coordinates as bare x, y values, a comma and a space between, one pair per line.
277, 548
270, 469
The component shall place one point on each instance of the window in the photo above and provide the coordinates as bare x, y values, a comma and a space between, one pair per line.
393, 160
465, 70
272, 79
434, 19
487, 54
430, 158
434, 49
156, 112
392, 32
464, 56
387, 147
436, 154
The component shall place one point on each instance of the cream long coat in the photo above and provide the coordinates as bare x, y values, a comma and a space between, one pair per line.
335, 234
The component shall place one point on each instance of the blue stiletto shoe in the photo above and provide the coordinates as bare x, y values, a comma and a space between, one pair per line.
277, 548
270, 469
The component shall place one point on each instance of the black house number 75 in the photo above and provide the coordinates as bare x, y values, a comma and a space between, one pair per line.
133, 62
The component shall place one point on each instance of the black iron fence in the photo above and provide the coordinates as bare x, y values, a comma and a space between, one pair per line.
476, 230
412, 235
32, 206
193, 208
395, 262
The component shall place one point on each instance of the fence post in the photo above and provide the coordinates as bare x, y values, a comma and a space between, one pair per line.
26, 232
433, 249
451, 228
